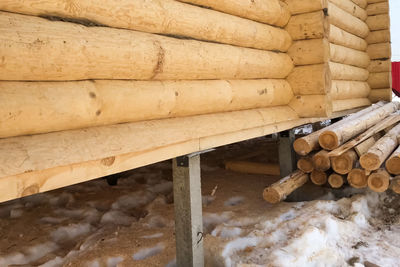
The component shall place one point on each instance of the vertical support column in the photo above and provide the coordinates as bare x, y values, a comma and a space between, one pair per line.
188, 211
287, 156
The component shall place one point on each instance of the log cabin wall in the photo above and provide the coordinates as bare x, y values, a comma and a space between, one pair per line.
379, 50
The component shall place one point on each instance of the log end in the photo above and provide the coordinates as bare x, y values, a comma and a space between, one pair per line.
342, 165
301, 147
305, 165
272, 196
335, 180
357, 178
395, 185
379, 181
393, 165
321, 162
329, 140
318, 177
370, 162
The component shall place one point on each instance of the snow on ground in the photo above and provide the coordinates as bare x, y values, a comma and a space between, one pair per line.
131, 224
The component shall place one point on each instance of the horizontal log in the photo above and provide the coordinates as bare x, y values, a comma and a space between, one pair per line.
321, 161
318, 177
346, 21
379, 181
343, 38
342, 90
163, 17
311, 106
269, 12
348, 56
380, 80
380, 65
376, 37
344, 163
336, 180
310, 79
357, 178
378, 22
393, 163
81, 53
41, 107
346, 72
378, 8
308, 52
360, 3
308, 26
352, 8
375, 1
252, 167
379, 51
278, 191
380, 94
345, 104
363, 147
305, 6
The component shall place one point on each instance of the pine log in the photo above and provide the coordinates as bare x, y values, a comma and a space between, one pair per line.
395, 184
312, 106
270, 11
305, 6
344, 163
308, 52
379, 51
346, 72
349, 56
393, 163
305, 164
352, 8
378, 8
380, 94
345, 104
102, 53
361, 3
278, 191
378, 22
335, 137
379, 80
163, 17
319, 177
363, 147
357, 178
41, 107
321, 161
310, 79
382, 149
346, 21
375, 1
376, 37
380, 65
336, 180
308, 26
379, 181
252, 167
341, 90
343, 38
306, 144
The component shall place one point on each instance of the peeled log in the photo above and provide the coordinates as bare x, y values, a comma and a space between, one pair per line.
305, 6
321, 161
308, 26
281, 189
395, 184
343, 38
360, 3
352, 8
308, 52
380, 94
336, 180
341, 90
375, 1
379, 51
379, 181
346, 72
335, 137
252, 167
393, 163
305, 164
376, 37
318, 177
378, 22
344, 163
312, 106
378, 8
379, 80
379, 65
349, 56
310, 79
363, 147
382, 149
346, 21
270, 11
41, 107
345, 104
82, 53
357, 178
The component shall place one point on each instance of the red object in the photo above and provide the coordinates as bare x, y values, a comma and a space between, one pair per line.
396, 78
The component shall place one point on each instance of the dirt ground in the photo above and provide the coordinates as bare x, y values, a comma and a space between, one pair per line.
132, 223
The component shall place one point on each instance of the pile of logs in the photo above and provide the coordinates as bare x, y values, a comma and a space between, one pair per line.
362, 150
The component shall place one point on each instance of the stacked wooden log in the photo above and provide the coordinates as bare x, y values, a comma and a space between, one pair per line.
379, 50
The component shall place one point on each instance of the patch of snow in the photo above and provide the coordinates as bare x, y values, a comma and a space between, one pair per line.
30, 254
156, 235
148, 252
113, 262
70, 232
234, 201
117, 217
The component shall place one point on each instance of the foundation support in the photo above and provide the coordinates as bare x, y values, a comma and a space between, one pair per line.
287, 156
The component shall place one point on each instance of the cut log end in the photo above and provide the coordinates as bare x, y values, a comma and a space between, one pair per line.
305, 164
393, 165
335, 180
271, 195
370, 162
379, 181
318, 177
302, 147
321, 161
344, 163
329, 140
357, 178
395, 185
